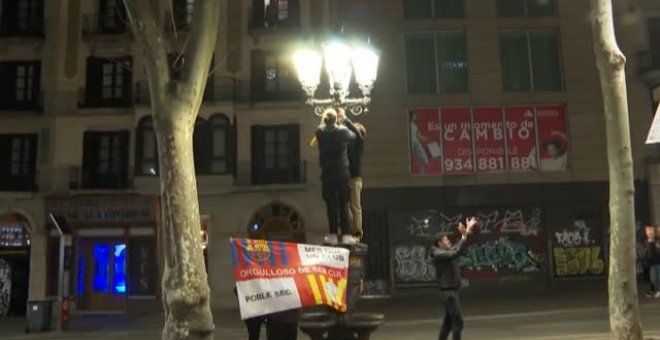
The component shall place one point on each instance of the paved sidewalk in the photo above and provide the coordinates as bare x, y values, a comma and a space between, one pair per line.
569, 313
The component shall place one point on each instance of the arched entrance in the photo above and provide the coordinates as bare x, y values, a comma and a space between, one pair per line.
14, 264
278, 222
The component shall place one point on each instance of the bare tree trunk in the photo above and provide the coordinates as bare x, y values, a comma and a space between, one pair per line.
623, 300
175, 104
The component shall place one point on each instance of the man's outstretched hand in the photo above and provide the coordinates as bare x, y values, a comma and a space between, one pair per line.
467, 229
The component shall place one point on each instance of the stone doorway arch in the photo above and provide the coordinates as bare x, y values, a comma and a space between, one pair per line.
277, 221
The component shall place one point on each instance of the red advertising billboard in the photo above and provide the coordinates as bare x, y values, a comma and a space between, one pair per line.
462, 140
456, 124
488, 125
521, 138
425, 147
553, 141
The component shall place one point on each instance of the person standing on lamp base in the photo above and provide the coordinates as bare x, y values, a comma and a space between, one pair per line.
333, 140
355, 150
445, 256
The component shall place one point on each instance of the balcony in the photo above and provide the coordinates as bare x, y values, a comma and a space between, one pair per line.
77, 180
11, 27
176, 22
218, 89
36, 105
247, 180
95, 26
649, 67
93, 101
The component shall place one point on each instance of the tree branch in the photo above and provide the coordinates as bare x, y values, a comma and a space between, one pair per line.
149, 33
203, 38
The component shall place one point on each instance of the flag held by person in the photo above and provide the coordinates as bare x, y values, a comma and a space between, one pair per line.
274, 276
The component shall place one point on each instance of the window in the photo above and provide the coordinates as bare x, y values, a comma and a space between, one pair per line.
23, 93
21, 17
18, 162
146, 148
177, 61
655, 99
112, 16
273, 77
653, 26
530, 60
183, 13
213, 146
105, 159
436, 62
222, 141
526, 8
428, 9
275, 154
272, 14
109, 82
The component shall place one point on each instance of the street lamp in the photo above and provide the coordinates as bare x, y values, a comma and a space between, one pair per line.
342, 62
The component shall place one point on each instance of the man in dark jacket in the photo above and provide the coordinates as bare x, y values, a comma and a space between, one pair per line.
355, 150
653, 259
333, 141
447, 270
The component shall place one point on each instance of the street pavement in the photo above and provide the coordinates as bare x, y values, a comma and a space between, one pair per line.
410, 315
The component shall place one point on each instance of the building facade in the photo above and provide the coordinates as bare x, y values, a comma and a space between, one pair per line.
491, 108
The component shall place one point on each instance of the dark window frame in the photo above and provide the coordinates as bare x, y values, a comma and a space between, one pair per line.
9, 90
221, 123
183, 11
19, 162
259, 15
32, 24
526, 9
121, 69
203, 151
433, 9
176, 62
95, 178
108, 12
653, 31
142, 159
259, 77
508, 84
262, 172
439, 72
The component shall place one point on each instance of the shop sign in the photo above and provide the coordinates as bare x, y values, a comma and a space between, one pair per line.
103, 209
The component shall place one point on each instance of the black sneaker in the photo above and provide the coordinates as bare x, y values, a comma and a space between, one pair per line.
650, 294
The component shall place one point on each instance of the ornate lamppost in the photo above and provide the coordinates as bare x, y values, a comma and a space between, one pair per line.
342, 63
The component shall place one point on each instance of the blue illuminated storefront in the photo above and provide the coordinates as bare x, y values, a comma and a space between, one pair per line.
114, 260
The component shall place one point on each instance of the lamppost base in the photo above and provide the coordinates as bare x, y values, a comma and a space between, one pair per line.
333, 325
336, 326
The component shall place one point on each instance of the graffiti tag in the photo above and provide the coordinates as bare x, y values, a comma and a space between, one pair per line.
413, 264
579, 236
578, 261
5, 287
498, 255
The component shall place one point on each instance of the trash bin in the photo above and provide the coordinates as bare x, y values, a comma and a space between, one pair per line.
39, 315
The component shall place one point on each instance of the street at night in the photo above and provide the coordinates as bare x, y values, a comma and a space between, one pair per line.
578, 312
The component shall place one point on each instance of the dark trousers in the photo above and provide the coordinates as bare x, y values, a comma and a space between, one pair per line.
336, 194
282, 330
453, 321
253, 326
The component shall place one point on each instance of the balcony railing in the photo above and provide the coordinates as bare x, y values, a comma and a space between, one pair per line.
218, 90
32, 28
94, 25
35, 105
647, 62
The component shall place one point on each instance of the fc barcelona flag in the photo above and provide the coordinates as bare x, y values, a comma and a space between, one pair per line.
276, 276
